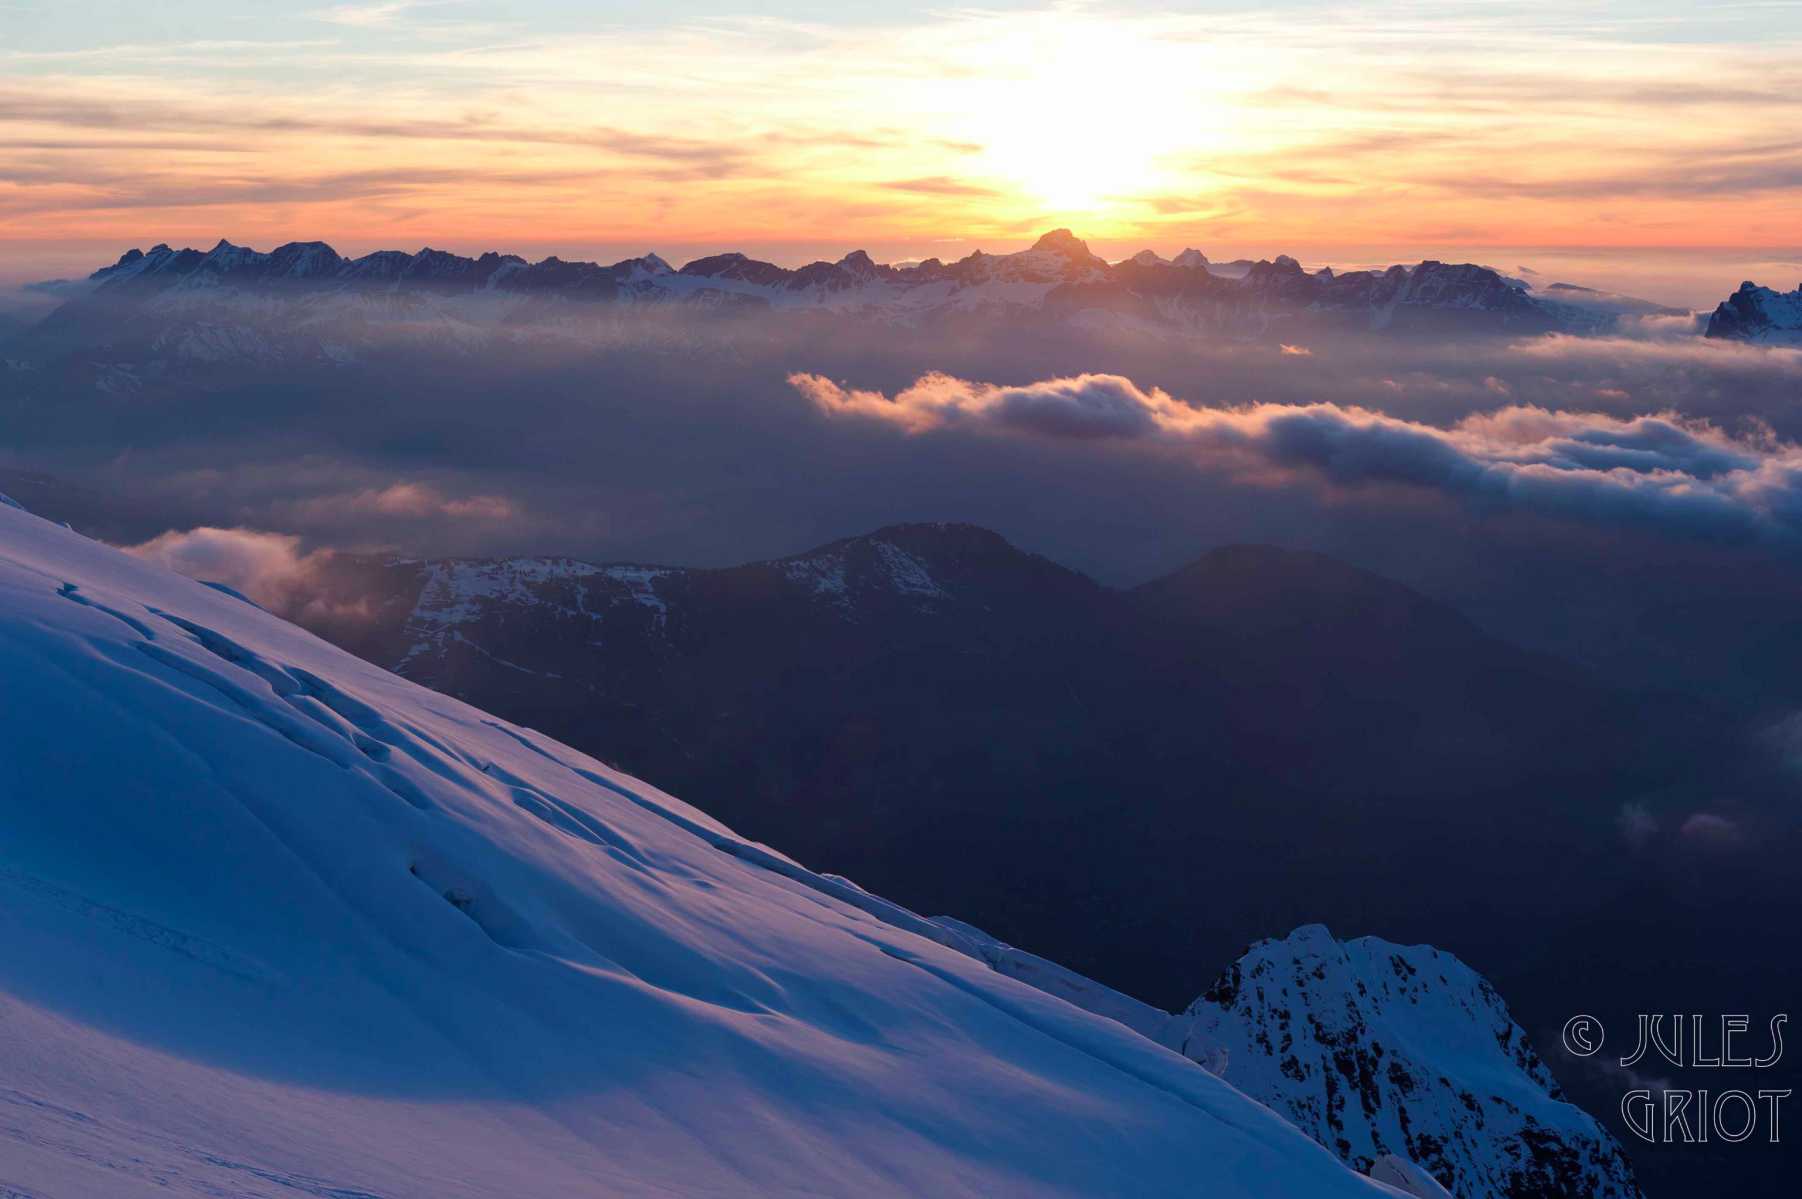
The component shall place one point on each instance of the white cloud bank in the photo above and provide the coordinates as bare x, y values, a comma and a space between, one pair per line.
1660, 469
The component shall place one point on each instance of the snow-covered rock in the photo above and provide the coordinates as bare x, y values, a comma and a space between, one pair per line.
1402, 1060
274, 921
525, 597
1759, 314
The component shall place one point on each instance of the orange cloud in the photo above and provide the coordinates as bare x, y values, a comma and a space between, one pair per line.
407, 501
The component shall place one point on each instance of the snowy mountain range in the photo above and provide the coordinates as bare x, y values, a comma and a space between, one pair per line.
277, 921
1759, 314
304, 301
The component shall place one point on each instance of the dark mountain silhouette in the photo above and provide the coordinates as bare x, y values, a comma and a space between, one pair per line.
1137, 771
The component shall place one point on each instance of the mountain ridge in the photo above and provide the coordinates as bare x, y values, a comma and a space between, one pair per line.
1057, 275
1058, 253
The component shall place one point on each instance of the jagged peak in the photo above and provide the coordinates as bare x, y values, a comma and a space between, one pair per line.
1282, 269
713, 263
1314, 936
226, 249
1758, 289
923, 535
1062, 241
1758, 313
948, 531
130, 263
303, 259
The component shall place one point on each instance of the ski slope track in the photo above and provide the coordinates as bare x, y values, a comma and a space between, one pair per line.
277, 923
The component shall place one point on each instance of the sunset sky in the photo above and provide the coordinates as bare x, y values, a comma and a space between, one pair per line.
807, 128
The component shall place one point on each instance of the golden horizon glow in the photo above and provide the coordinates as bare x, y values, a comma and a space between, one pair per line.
1362, 127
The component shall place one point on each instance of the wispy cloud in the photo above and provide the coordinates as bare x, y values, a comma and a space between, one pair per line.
938, 185
406, 500
172, 53
1163, 126
26, 105
370, 16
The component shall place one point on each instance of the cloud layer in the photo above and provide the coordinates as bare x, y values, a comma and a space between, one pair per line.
1674, 473
270, 568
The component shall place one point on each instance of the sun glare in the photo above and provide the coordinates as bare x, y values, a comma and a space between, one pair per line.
1073, 149
1076, 119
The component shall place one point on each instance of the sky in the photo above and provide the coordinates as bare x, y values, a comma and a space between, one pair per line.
798, 129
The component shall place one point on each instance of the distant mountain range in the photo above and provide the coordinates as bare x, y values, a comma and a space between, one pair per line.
304, 301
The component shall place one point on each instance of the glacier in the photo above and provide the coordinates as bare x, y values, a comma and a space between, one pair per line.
278, 922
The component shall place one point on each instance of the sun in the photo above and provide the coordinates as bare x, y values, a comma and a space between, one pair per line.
1072, 153
1077, 120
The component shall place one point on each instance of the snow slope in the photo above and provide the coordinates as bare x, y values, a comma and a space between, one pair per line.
274, 922
1399, 1058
